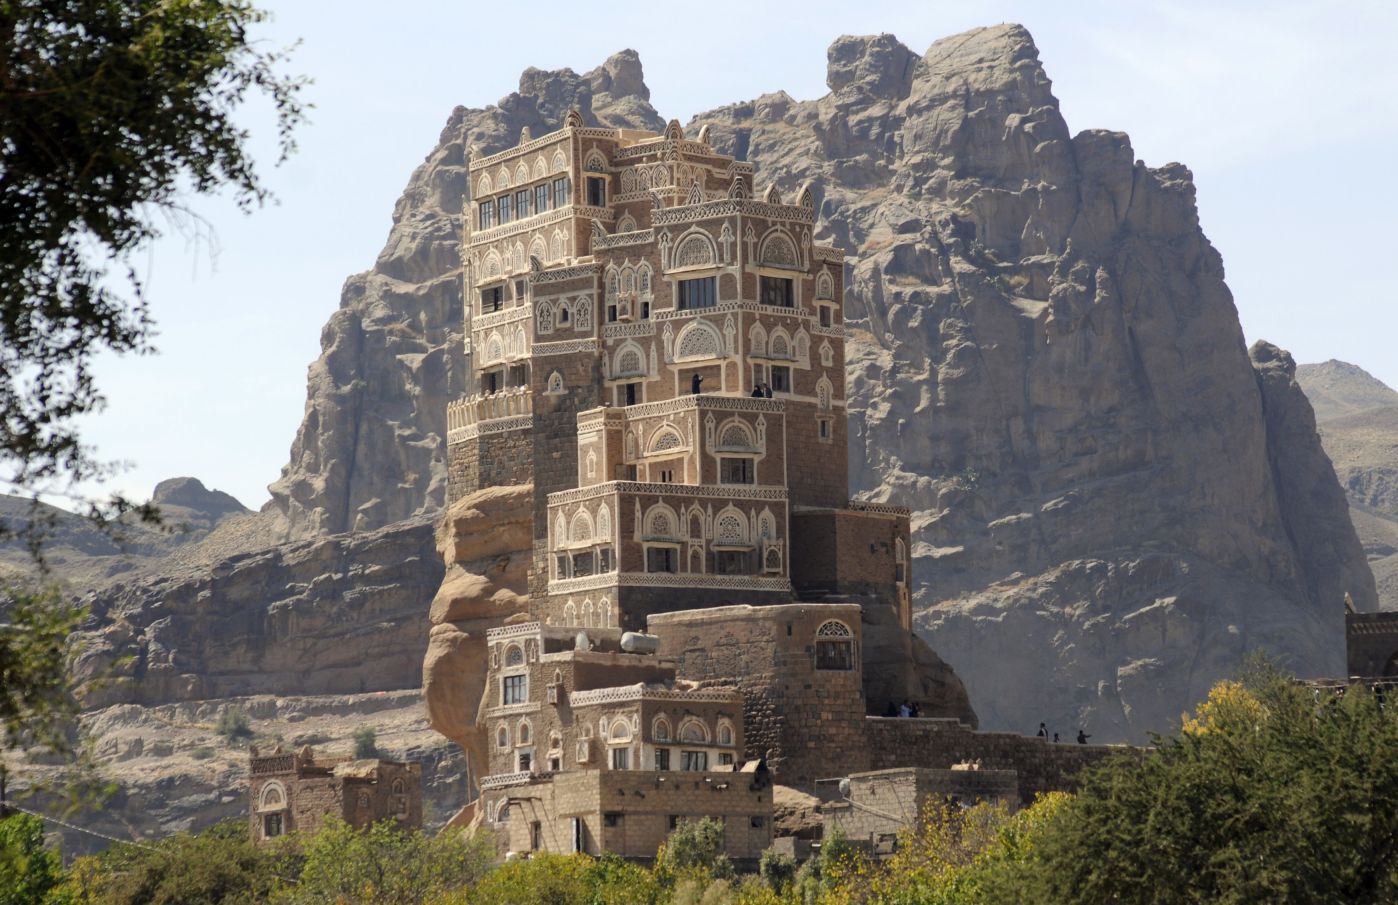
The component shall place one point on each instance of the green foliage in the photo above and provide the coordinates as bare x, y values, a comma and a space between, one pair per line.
694, 848
30, 873
1275, 793
777, 869
219, 866
385, 866
202, 753
35, 705
366, 742
111, 114
234, 725
564, 880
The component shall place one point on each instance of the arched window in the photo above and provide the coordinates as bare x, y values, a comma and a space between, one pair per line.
664, 440
834, 646
629, 361
697, 341
660, 729
596, 163
660, 522
725, 733
729, 529
611, 284
560, 163
778, 250
483, 187
825, 287
555, 383
398, 787
582, 313
900, 559
581, 530
570, 614
514, 656
502, 737
620, 731
695, 250
604, 522
273, 796
643, 279
523, 734
543, 314
827, 355
736, 436
693, 731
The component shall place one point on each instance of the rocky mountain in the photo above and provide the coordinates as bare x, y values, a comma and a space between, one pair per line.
1113, 501
1358, 417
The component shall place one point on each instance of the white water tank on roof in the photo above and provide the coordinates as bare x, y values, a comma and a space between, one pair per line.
638, 643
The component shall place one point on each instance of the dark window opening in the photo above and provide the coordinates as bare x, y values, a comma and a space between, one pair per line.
674, 822
526, 761
564, 315
541, 198
492, 299
661, 559
735, 471
633, 393
604, 559
611, 314
667, 476
781, 379
506, 203
271, 825
837, 655
536, 835
899, 573
662, 759
519, 375
560, 191
694, 760
758, 823
487, 214
697, 293
522, 198
827, 315
583, 564
732, 562
611, 818
645, 311
492, 381
725, 759
776, 291
597, 191
824, 428
562, 562
512, 689
621, 758
519, 290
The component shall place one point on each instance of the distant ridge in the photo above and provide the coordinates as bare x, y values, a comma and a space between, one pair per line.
1337, 388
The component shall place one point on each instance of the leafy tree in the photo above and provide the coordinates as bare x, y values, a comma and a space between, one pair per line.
385, 866
30, 873
1272, 793
35, 706
695, 847
366, 742
777, 869
112, 114
219, 866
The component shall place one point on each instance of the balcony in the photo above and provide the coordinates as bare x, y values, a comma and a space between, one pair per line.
505, 780
508, 409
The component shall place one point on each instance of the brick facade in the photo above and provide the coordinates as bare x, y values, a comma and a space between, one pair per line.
298, 792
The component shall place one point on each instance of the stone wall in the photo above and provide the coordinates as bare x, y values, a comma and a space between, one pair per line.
1042, 765
1372, 644
883, 802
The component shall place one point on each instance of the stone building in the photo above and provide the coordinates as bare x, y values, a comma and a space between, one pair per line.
874, 807
658, 349
297, 792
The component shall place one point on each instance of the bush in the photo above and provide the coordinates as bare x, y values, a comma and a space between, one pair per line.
29, 872
777, 869
234, 725
366, 742
202, 753
695, 847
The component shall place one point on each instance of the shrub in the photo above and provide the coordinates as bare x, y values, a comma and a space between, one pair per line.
202, 753
234, 725
694, 847
29, 872
366, 742
777, 869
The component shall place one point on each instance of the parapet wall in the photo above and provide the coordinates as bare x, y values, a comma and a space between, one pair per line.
1042, 765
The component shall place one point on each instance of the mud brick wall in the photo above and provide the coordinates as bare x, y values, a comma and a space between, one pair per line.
491, 460
885, 802
1042, 766
807, 723
1372, 642
555, 446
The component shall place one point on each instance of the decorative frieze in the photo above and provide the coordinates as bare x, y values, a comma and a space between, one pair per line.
769, 492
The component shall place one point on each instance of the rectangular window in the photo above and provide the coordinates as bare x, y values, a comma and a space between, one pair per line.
560, 191
660, 559
662, 759
487, 214
562, 562
725, 759
583, 564
731, 562
694, 760
827, 315
776, 291
492, 299
513, 688
271, 826
604, 559
522, 198
633, 396
520, 287
899, 573
597, 191
645, 311
674, 822
735, 471
507, 207
781, 379
834, 655
611, 314
759, 375
667, 476
621, 758
824, 429
758, 823
525, 761
536, 835
611, 819
541, 198
697, 293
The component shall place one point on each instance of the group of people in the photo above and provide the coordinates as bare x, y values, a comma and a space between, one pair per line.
761, 391
1044, 733
906, 710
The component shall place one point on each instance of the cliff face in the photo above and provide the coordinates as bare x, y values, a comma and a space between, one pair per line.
1358, 418
371, 449
1112, 505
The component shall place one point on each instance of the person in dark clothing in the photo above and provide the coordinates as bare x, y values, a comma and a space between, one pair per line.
1055, 738
694, 383
1083, 737
766, 391
1043, 731
757, 391
914, 710
892, 709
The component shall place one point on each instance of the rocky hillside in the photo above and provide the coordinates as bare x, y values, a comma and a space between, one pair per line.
1358, 417
1113, 501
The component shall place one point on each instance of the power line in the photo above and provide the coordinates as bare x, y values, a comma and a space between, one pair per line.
81, 829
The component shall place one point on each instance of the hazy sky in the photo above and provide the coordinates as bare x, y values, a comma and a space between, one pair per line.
1285, 112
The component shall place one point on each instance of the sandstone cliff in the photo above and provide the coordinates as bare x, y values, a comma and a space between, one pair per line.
1358, 418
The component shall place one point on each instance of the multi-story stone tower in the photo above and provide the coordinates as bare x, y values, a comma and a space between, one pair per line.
661, 354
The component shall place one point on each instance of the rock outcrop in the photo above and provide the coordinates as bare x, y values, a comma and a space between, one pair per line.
486, 542
1358, 417
371, 449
